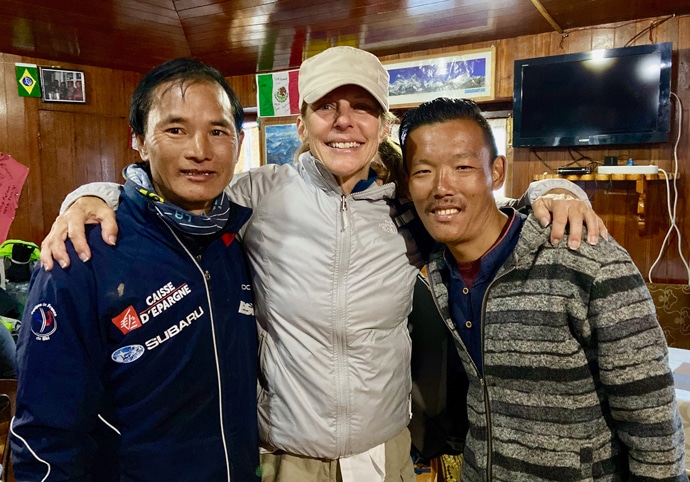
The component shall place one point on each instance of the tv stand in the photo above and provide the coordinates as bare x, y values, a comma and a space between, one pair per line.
640, 174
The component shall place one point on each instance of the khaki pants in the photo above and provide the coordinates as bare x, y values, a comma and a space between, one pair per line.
292, 468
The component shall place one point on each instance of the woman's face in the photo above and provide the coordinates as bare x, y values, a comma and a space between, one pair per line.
343, 130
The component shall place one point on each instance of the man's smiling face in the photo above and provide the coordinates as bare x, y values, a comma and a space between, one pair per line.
451, 181
191, 143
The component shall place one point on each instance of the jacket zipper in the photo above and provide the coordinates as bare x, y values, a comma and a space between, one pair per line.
207, 277
489, 437
342, 258
343, 211
482, 381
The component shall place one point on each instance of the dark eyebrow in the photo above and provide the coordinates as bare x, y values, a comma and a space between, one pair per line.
180, 120
173, 120
222, 123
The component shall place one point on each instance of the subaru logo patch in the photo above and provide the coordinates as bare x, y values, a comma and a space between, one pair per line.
127, 354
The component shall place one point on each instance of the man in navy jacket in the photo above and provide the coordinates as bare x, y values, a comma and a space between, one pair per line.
140, 364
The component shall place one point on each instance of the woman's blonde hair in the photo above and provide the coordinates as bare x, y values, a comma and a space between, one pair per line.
388, 162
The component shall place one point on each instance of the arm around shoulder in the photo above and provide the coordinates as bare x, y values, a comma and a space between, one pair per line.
109, 192
539, 188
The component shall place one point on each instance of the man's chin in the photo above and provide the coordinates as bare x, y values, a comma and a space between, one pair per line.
441, 235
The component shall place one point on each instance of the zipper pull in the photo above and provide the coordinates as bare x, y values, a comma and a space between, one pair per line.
343, 210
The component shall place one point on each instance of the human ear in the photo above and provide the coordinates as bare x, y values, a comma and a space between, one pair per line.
142, 148
498, 172
301, 130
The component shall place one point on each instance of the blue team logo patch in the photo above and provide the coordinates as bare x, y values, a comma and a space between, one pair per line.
127, 354
43, 321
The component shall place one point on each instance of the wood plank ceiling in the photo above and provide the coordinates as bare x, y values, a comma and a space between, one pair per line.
247, 36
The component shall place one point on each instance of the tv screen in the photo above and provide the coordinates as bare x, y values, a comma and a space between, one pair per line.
610, 96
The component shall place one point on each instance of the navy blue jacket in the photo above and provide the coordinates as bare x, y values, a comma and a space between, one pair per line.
141, 363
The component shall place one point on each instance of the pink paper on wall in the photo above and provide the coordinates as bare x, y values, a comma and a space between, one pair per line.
12, 177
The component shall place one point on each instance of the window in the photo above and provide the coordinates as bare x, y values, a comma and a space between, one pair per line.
499, 126
250, 152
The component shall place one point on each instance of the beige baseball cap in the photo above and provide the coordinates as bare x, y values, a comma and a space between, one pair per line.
338, 66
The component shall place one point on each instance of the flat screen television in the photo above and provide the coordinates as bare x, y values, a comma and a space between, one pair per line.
609, 96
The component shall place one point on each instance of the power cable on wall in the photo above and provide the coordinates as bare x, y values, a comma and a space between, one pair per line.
672, 207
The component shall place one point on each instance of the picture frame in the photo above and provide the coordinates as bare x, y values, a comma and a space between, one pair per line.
61, 85
469, 74
279, 139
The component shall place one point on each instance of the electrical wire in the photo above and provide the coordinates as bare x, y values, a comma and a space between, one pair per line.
536, 154
649, 29
672, 208
591, 163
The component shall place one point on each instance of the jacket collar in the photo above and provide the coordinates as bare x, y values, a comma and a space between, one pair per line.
238, 216
314, 170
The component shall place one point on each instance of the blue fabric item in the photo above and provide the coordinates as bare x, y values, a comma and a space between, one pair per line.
197, 224
143, 358
8, 352
365, 183
466, 309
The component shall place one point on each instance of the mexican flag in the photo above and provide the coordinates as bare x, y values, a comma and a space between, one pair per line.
27, 80
277, 93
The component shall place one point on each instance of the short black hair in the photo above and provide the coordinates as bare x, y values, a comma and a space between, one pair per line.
443, 109
182, 70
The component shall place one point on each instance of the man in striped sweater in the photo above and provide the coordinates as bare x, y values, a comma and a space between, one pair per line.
567, 365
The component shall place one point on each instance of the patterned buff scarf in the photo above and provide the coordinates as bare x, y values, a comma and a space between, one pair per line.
195, 224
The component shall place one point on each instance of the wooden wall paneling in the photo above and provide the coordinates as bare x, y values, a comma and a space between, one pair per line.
112, 90
87, 148
605, 38
114, 150
578, 41
106, 92
245, 88
115, 138
57, 155
504, 70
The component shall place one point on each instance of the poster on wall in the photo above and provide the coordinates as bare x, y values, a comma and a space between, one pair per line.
60, 85
279, 138
468, 75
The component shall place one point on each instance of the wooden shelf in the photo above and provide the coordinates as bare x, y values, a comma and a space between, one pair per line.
640, 187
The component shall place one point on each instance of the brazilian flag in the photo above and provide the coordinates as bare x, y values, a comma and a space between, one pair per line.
27, 80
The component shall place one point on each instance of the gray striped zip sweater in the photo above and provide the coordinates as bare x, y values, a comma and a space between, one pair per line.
576, 382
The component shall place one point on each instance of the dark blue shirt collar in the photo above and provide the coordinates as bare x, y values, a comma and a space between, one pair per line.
495, 257
365, 183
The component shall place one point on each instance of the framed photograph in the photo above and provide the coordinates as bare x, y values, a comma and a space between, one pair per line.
279, 139
58, 85
468, 75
